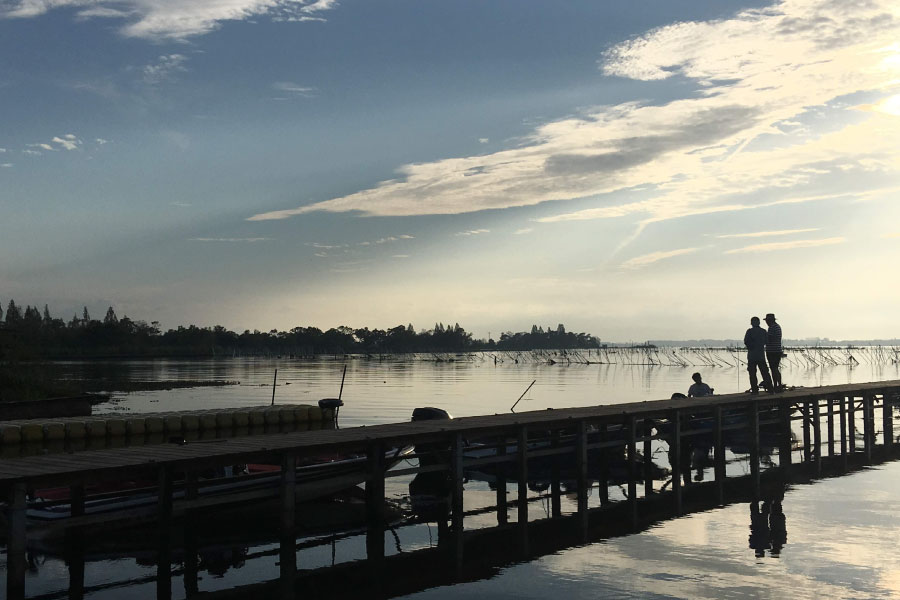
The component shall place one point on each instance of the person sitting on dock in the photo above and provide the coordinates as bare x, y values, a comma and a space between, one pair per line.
699, 388
755, 341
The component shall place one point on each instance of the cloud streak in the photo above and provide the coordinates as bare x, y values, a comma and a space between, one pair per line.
757, 234
640, 262
165, 19
756, 76
779, 246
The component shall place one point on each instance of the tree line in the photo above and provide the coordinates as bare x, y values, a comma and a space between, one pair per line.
33, 333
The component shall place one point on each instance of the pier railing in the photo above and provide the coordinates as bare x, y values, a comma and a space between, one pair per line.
579, 443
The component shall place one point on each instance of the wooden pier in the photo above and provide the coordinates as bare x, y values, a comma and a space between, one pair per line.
844, 422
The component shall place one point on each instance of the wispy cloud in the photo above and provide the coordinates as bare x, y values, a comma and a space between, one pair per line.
400, 256
2, 150
294, 89
231, 239
6, 165
758, 234
752, 74
639, 262
68, 141
483, 140
777, 246
101, 141
165, 67
892, 235
163, 19
473, 232
523, 231
30, 152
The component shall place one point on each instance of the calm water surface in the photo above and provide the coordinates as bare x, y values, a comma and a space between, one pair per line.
841, 532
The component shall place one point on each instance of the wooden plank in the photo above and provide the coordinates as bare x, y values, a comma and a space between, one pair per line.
112, 463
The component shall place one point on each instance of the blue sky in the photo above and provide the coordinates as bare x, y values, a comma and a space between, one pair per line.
636, 170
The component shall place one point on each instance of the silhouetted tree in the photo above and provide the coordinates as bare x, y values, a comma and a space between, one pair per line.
13, 313
110, 318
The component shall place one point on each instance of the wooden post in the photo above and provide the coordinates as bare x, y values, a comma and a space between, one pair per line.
807, 444
164, 557
502, 509
15, 549
868, 426
632, 467
164, 500
287, 549
191, 561
288, 495
457, 513
648, 453
603, 484
375, 502
786, 443
887, 416
75, 562
817, 435
522, 475
190, 485
719, 453
851, 423
555, 491
830, 424
753, 429
843, 420
581, 466
76, 499
675, 457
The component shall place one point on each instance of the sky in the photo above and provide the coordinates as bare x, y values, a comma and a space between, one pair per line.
661, 169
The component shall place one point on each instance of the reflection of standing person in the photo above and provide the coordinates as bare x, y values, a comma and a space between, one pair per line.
778, 528
759, 528
774, 349
755, 341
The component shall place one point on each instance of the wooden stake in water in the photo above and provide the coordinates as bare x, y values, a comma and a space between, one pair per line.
513, 407
340, 393
273, 386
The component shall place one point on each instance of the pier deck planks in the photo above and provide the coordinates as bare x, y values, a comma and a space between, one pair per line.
115, 463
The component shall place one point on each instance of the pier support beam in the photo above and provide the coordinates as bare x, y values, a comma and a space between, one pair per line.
648, 453
15, 548
817, 435
164, 556
753, 430
829, 403
868, 426
581, 466
807, 444
522, 477
675, 457
632, 467
555, 491
887, 416
785, 447
502, 508
851, 423
287, 555
603, 484
843, 420
719, 454
375, 501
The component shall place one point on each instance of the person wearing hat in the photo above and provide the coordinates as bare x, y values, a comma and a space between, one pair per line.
774, 349
755, 341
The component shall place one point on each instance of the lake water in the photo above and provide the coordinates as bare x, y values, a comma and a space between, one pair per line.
841, 532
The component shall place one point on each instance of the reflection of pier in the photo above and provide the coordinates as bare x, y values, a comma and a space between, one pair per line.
838, 427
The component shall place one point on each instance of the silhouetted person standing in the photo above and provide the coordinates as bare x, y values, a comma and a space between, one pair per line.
755, 341
774, 349
760, 540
